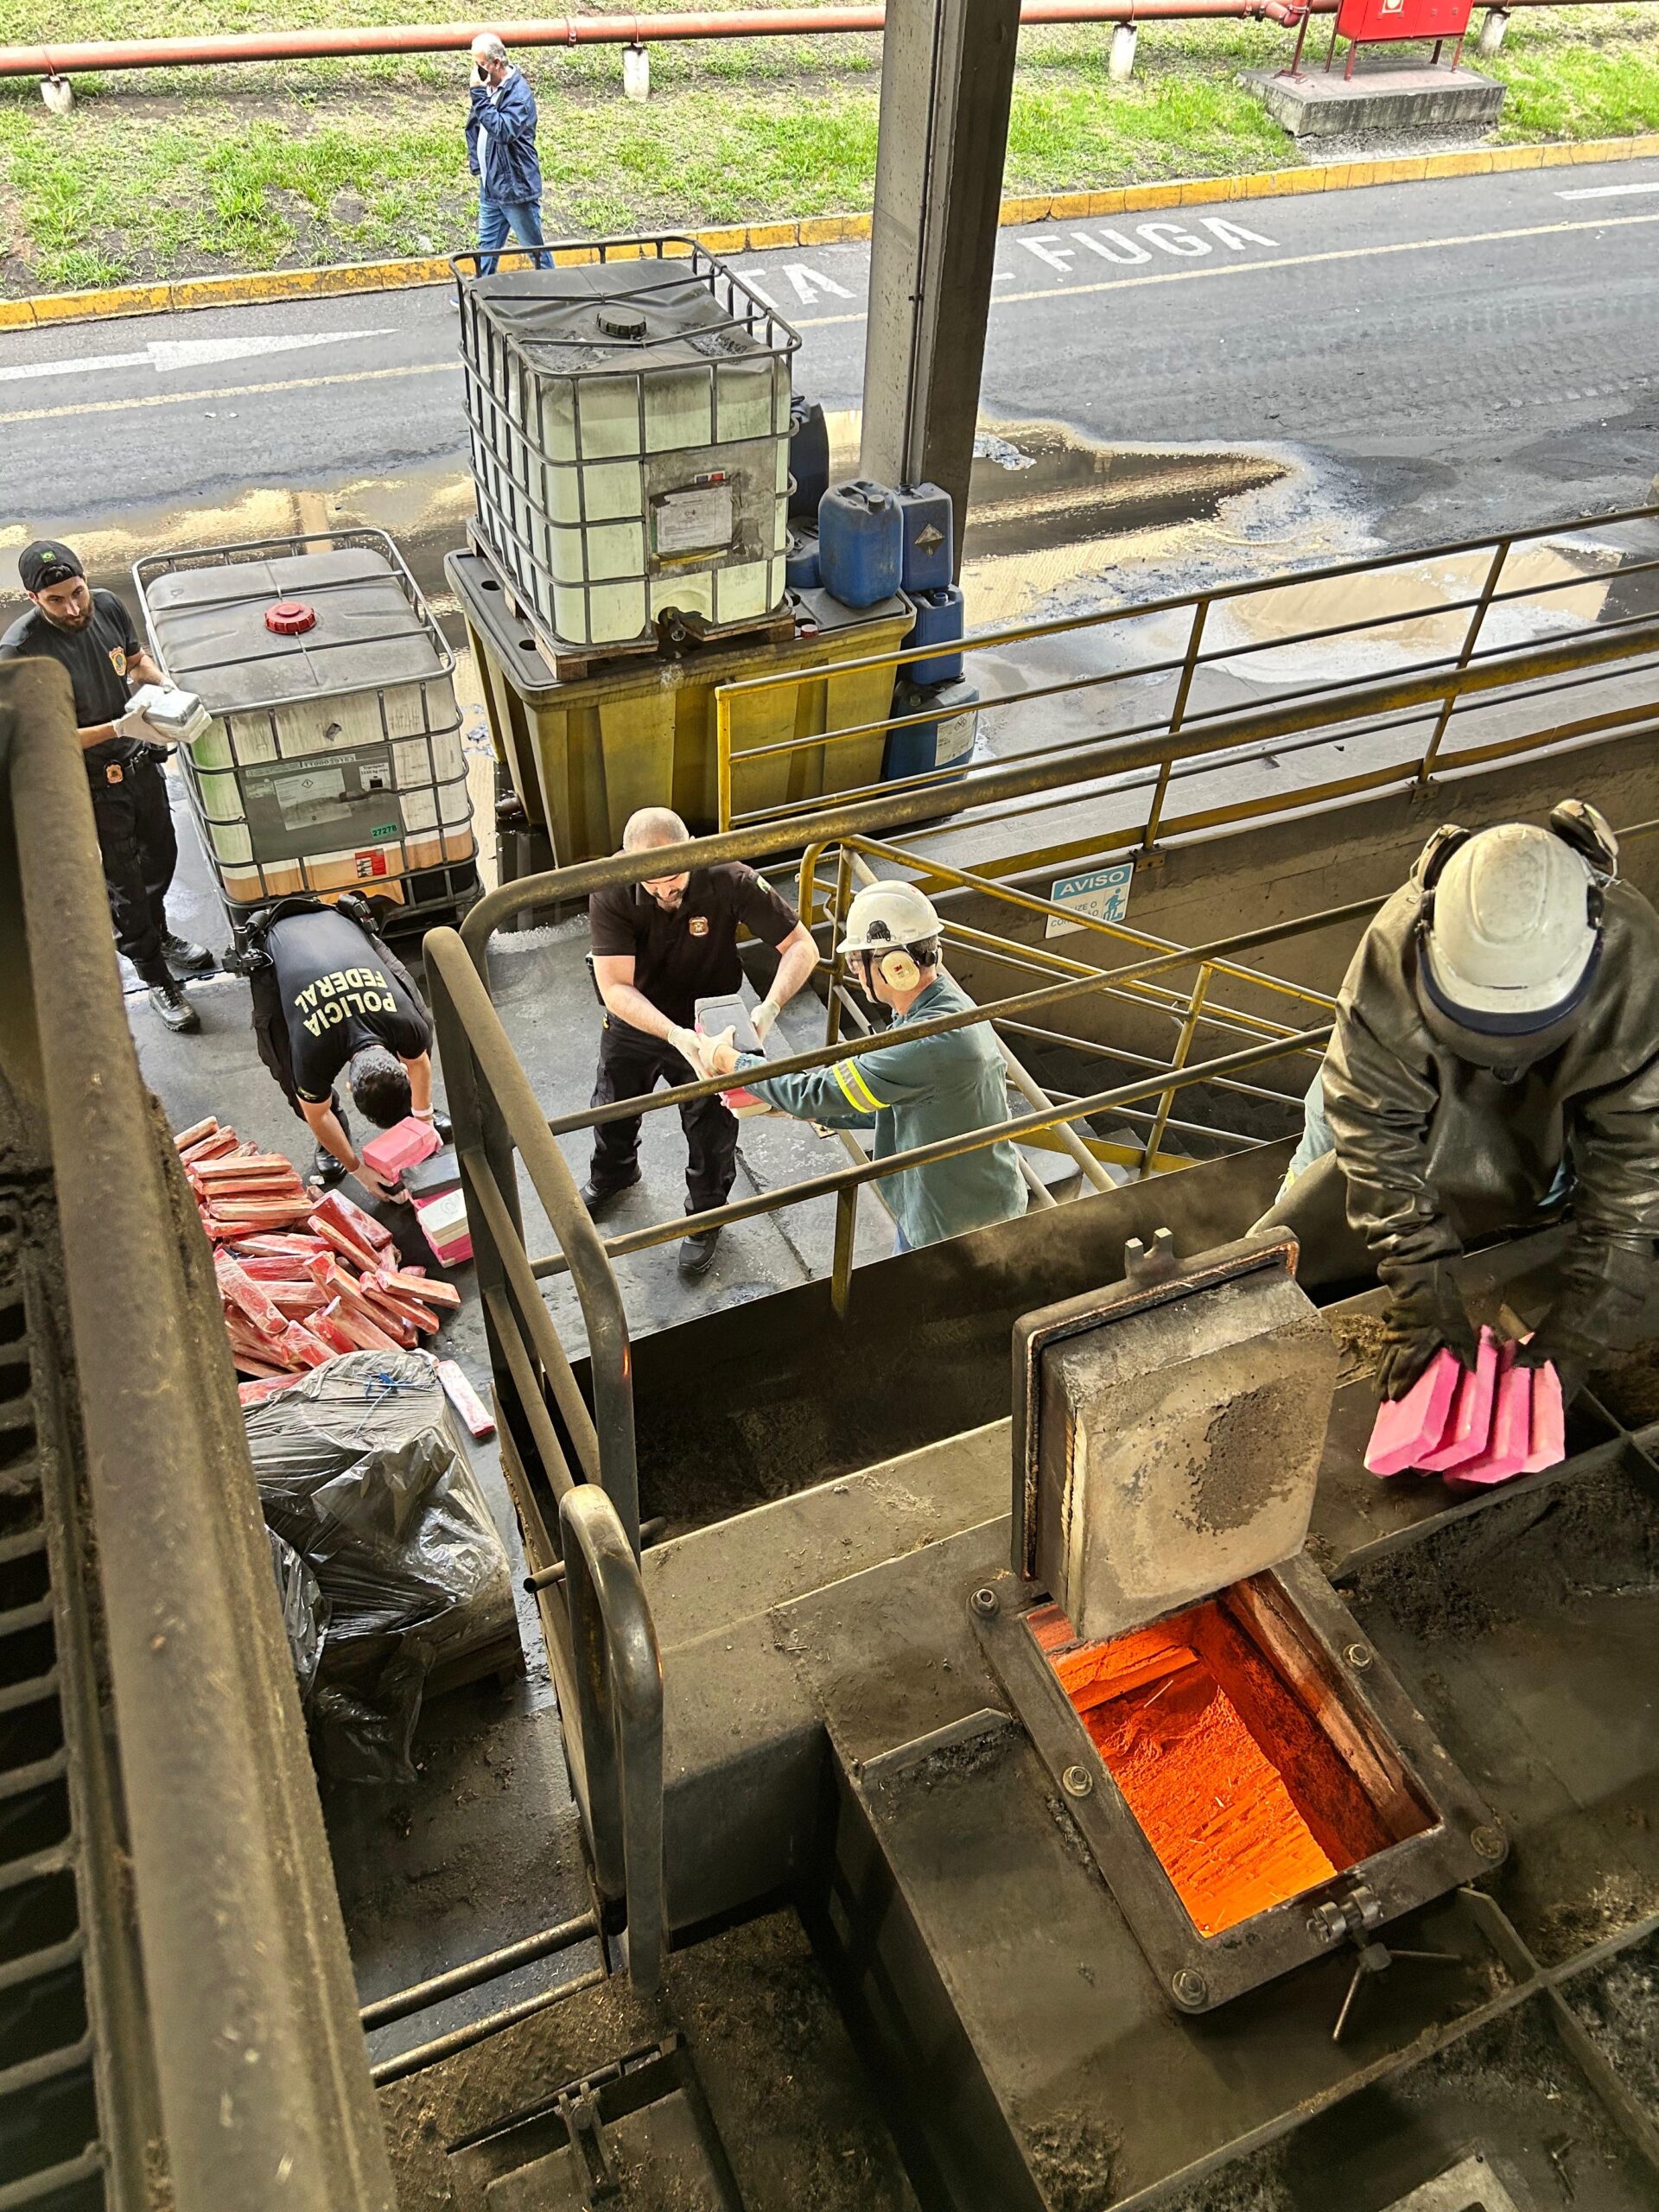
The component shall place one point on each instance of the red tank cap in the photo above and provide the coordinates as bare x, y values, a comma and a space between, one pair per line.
290, 618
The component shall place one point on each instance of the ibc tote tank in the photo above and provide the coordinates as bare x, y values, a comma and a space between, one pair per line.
630, 426
334, 761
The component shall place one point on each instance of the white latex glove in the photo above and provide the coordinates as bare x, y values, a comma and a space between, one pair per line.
718, 1056
766, 1015
135, 726
688, 1044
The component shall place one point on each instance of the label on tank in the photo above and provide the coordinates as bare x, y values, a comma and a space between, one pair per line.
684, 523
955, 737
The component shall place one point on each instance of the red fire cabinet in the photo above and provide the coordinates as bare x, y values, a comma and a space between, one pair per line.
1371, 22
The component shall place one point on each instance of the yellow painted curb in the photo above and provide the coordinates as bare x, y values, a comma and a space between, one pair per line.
48, 309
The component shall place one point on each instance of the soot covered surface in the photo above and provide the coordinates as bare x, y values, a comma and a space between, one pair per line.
1528, 1632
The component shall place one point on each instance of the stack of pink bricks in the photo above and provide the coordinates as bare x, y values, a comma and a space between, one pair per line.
1480, 1424
301, 1278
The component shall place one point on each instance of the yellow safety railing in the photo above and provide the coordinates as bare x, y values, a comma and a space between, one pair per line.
1461, 655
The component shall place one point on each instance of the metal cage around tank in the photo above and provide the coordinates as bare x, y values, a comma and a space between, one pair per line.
423, 871
555, 520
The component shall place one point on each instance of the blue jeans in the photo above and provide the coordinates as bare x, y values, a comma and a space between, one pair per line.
494, 216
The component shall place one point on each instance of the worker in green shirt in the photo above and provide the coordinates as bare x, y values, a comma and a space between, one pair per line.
910, 1091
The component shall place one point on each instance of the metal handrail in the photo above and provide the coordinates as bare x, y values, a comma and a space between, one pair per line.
619, 1694
472, 1044
256, 2054
1328, 701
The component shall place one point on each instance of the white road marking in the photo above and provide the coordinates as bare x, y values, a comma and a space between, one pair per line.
1605, 191
1599, 224
808, 283
166, 355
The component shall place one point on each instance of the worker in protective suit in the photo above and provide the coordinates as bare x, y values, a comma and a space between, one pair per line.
910, 1091
1495, 1059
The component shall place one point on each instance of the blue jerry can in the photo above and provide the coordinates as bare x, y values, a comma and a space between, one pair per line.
929, 547
939, 621
809, 458
925, 746
861, 542
801, 571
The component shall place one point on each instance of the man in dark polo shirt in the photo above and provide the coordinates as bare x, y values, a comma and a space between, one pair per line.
659, 947
90, 635
329, 997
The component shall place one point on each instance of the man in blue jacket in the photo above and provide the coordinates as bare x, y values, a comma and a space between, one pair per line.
501, 155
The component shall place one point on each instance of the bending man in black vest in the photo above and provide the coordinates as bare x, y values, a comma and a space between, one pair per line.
328, 995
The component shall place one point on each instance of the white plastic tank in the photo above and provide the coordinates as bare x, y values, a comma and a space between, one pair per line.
334, 760
630, 440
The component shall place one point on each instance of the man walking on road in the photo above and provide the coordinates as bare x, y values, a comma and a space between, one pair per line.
90, 635
501, 155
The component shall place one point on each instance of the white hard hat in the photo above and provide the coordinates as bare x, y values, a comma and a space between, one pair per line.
1513, 932
884, 915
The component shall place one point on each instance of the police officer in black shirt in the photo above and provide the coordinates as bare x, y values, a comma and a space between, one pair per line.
90, 633
329, 996
659, 947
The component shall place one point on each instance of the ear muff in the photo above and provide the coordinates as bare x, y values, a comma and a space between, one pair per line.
1587, 829
899, 971
1430, 864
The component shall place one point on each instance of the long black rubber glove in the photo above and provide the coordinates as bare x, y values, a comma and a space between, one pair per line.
1598, 1311
1425, 1314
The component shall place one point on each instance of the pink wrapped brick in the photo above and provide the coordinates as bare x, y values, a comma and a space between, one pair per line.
1507, 1446
1405, 1427
1470, 1425
406, 1145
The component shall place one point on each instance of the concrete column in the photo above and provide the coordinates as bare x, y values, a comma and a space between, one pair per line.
947, 76
636, 72
1121, 64
1492, 30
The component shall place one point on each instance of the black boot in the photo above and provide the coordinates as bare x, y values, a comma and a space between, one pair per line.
185, 958
173, 1007
698, 1254
600, 1197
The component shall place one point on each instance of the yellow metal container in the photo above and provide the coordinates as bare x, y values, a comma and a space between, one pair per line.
583, 756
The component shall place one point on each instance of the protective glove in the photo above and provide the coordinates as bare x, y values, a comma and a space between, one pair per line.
689, 1045
718, 1054
766, 1015
1557, 1343
1425, 1314
135, 726
1598, 1311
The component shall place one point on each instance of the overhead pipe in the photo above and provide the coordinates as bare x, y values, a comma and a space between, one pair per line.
360, 41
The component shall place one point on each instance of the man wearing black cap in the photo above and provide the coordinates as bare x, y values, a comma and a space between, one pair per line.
91, 635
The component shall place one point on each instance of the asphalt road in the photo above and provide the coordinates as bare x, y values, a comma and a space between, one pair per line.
1444, 359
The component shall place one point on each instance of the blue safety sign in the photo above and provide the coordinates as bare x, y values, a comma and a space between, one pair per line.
1102, 895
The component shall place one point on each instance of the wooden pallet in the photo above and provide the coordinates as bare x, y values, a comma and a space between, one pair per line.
575, 663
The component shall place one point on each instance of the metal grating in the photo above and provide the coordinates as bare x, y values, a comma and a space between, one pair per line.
52, 2154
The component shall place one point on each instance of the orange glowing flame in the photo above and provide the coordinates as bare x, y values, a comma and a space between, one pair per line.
1237, 1789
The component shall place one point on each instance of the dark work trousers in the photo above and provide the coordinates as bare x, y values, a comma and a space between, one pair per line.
135, 834
631, 1065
